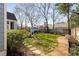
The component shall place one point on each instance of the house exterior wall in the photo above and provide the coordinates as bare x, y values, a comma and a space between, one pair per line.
8, 25
2, 27
15, 25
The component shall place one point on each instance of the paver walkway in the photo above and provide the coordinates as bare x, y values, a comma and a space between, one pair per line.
62, 49
35, 50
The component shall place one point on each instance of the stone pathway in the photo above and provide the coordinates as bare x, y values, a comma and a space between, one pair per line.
62, 49
35, 50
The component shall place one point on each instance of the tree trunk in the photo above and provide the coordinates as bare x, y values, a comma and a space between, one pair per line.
75, 32
25, 24
47, 28
69, 27
21, 25
31, 26
53, 18
53, 25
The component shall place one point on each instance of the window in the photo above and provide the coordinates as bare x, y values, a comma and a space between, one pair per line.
12, 25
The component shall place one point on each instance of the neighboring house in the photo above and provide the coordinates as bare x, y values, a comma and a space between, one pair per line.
41, 28
61, 27
58, 27
11, 21
2, 29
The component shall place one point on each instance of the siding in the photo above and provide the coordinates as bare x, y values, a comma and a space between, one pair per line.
1, 26
15, 25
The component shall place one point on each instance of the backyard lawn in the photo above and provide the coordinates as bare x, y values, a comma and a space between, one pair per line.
42, 41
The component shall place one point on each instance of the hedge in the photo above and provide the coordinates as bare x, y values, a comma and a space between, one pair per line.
15, 38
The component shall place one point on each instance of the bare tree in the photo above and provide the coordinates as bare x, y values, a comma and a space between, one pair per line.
54, 15
44, 11
31, 14
27, 13
19, 14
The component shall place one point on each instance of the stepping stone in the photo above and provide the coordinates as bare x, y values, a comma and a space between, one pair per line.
37, 52
29, 46
33, 48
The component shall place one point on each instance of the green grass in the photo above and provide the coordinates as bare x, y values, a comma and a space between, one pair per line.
43, 41
45, 36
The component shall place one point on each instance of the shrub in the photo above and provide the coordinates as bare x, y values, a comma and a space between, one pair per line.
15, 38
74, 50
